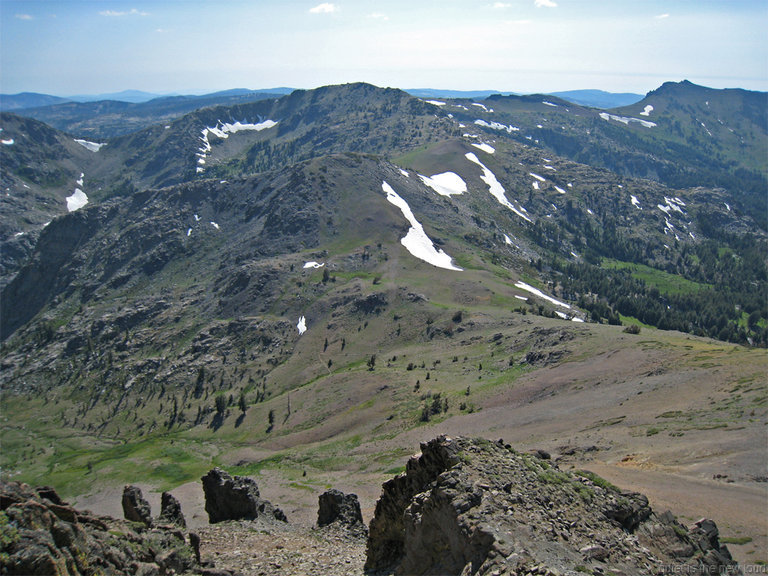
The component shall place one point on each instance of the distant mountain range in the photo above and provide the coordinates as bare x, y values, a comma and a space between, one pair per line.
338, 267
26, 100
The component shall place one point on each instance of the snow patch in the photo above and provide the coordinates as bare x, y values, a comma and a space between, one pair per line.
536, 292
523, 298
435, 102
223, 130
549, 104
313, 264
92, 146
480, 106
405, 173
487, 148
494, 187
559, 189
727, 206
214, 225
302, 325
635, 202
197, 218
497, 126
539, 178
8, 142
77, 200
507, 239
647, 110
416, 240
535, 185
189, 232
445, 184
626, 120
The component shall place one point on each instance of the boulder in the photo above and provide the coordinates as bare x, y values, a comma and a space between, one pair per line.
135, 507
235, 498
335, 506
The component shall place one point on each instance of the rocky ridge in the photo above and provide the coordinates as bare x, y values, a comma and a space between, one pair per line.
42, 534
470, 506
464, 506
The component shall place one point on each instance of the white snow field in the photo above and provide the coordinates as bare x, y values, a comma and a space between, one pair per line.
302, 325
92, 146
416, 240
445, 184
494, 187
540, 294
223, 130
487, 148
626, 120
647, 110
313, 264
497, 126
77, 200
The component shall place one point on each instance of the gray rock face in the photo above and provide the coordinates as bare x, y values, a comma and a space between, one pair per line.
470, 506
235, 498
135, 507
335, 506
170, 511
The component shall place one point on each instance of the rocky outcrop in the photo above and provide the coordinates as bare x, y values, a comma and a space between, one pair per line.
41, 534
135, 507
235, 498
470, 506
170, 511
336, 507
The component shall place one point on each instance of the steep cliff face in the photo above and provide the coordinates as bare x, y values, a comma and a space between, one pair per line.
469, 506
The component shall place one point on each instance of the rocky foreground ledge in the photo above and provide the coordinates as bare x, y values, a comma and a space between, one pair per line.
464, 507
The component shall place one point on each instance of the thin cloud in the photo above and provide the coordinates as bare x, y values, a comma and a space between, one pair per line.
25, 17
545, 4
118, 13
378, 16
501, 5
661, 16
324, 8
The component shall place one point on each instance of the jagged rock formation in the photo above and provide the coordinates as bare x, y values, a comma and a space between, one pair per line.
170, 511
135, 507
235, 498
470, 506
343, 509
41, 534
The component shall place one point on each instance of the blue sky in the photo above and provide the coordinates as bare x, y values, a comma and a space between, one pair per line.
97, 46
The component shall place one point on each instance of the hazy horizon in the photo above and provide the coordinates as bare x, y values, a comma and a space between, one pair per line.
86, 47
